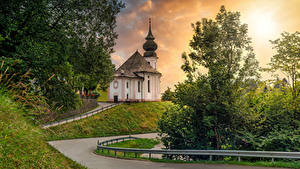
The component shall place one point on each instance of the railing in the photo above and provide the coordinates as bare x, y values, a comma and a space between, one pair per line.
187, 153
80, 116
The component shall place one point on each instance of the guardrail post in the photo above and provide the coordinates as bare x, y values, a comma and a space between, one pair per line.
272, 160
239, 158
210, 157
102, 150
149, 155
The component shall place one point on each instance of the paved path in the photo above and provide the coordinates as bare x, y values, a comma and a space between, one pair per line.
102, 106
81, 151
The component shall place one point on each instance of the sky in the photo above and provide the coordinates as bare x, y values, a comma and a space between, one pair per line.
171, 27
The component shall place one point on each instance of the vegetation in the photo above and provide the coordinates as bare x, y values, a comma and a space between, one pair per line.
168, 95
150, 143
229, 107
22, 144
143, 143
64, 46
234, 162
287, 60
123, 119
103, 96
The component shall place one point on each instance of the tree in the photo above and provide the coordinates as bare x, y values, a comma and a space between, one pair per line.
287, 60
223, 47
59, 42
168, 95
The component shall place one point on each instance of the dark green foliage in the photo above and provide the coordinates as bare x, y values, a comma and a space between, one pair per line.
223, 48
229, 108
168, 95
65, 45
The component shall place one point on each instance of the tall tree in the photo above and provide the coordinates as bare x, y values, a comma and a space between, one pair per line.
223, 47
287, 60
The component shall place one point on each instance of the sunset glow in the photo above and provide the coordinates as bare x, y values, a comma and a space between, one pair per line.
171, 26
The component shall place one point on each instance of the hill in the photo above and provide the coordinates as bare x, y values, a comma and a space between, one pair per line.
123, 119
22, 143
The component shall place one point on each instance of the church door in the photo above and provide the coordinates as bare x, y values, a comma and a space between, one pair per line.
116, 99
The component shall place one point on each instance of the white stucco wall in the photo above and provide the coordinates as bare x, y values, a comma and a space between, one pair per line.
152, 60
121, 91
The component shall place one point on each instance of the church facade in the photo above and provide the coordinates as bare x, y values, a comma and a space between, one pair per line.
137, 79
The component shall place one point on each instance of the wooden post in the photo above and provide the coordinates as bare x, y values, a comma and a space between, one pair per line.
210, 157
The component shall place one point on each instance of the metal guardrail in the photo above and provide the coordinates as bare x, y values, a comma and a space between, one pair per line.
80, 116
237, 153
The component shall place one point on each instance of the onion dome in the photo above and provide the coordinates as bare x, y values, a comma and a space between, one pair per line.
150, 46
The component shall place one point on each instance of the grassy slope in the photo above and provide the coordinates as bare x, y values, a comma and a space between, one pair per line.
103, 96
123, 119
22, 143
143, 143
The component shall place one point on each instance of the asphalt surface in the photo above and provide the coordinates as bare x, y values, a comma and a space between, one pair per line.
81, 151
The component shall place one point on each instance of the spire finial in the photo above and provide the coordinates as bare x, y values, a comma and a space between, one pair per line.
149, 24
150, 36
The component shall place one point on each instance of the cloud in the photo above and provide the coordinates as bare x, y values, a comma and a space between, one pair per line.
171, 26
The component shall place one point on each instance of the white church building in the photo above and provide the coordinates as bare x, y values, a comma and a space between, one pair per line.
137, 79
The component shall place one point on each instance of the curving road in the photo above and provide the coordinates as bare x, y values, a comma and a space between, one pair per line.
81, 151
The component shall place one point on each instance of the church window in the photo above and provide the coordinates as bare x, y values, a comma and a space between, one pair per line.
148, 86
127, 85
139, 86
149, 63
127, 96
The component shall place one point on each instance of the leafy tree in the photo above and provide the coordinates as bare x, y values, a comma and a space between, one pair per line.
168, 95
223, 47
58, 42
287, 60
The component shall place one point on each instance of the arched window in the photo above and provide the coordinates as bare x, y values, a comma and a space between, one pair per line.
127, 85
148, 86
139, 86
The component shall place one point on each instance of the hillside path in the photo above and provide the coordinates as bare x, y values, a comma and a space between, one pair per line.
102, 106
81, 151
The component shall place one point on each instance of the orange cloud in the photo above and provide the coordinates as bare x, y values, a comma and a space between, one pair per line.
171, 26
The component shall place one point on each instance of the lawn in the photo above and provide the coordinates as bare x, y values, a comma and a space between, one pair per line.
22, 144
124, 119
143, 143
103, 96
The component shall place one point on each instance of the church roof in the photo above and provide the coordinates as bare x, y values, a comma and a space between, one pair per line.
135, 64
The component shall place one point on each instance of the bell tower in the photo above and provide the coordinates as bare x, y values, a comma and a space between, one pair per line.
150, 46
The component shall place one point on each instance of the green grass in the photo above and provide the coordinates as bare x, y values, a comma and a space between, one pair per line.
143, 143
123, 119
22, 144
103, 96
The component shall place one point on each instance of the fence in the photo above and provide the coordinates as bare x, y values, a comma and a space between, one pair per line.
81, 116
237, 153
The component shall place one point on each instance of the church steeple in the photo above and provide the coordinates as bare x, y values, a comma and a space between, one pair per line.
150, 36
150, 46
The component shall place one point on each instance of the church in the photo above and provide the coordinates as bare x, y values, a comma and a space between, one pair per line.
137, 79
